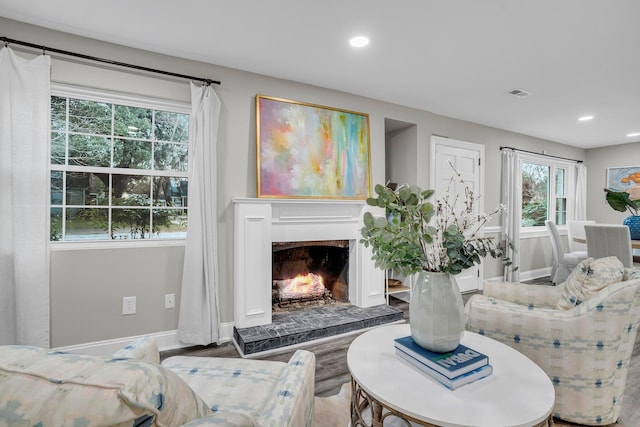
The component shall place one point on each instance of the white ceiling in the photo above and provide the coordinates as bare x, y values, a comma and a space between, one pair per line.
454, 58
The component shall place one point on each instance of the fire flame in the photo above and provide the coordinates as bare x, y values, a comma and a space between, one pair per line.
302, 285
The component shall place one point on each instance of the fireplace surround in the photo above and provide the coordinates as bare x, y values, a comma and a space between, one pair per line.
258, 223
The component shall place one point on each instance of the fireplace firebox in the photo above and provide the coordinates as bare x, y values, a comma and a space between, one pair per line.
309, 273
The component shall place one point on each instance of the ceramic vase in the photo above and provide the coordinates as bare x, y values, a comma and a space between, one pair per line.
633, 222
436, 312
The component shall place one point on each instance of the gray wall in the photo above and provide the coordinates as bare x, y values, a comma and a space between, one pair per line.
598, 160
400, 152
87, 286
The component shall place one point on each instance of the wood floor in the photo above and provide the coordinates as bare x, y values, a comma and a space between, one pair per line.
331, 356
332, 372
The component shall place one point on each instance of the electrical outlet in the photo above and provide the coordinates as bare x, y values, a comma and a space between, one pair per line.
129, 305
169, 301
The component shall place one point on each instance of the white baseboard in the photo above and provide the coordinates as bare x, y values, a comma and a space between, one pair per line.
167, 340
226, 332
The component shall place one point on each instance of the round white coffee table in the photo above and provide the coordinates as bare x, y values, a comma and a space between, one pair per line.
517, 394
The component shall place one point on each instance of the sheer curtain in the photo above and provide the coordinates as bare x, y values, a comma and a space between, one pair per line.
581, 192
510, 190
199, 321
24, 174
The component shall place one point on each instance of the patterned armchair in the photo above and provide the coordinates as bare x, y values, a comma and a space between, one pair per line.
41, 387
585, 350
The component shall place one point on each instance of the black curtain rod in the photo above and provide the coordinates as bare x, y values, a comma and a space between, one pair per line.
540, 154
44, 49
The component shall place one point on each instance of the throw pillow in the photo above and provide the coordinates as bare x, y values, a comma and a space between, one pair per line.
588, 278
50, 388
144, 348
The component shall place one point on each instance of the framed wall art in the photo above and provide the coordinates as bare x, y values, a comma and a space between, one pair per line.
311, 151
622, 178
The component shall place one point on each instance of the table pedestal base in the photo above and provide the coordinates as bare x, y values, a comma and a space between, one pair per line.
364, 407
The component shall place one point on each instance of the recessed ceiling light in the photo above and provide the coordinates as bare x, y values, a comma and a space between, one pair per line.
585, 118
634, 134
359, 41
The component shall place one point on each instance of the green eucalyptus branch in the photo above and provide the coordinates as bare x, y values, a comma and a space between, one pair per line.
417, 234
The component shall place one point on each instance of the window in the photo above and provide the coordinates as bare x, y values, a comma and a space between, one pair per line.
118, 168
545, 191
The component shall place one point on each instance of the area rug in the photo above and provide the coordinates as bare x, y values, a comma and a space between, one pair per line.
333, 411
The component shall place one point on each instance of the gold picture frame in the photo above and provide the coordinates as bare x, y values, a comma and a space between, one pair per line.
311, 151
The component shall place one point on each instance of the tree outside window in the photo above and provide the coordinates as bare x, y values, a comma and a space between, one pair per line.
544, 193
118, 171
535, 194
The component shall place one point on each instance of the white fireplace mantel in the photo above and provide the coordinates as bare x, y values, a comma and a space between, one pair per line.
260, 222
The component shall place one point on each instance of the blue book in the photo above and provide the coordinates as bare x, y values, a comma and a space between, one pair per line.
452, 364
450, 383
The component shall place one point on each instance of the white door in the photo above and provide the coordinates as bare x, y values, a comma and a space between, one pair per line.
467, 158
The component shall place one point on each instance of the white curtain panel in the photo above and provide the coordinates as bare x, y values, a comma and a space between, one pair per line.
581, 192
24, 209
199, 321
510, 189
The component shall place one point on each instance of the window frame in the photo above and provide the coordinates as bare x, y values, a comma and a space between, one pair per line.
570, 187
131, 100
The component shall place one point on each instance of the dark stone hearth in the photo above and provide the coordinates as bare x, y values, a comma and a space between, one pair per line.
314, 323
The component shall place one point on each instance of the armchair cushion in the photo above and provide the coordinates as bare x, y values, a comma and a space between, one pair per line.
245, 391
229, 385
144, 348
52, 388
630, 274
588, 278
229, 420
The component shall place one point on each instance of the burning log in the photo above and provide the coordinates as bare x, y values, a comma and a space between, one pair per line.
303, 286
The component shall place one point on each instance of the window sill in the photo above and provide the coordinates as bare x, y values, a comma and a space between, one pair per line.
126, 244
537, 232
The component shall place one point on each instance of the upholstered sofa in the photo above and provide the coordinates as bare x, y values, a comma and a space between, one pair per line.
581, 333
131, 388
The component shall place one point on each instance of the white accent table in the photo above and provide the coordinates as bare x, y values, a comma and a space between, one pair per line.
517, 393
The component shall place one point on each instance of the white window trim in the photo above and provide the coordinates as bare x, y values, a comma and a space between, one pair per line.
540, 231
115, 244
121, 98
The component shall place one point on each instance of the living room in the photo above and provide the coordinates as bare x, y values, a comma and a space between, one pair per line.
93, 283
84, 283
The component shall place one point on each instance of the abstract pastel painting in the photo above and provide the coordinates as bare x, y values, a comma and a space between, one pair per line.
311, 151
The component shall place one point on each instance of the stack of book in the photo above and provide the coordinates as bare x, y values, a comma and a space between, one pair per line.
453, 369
